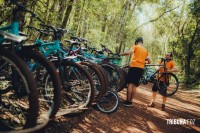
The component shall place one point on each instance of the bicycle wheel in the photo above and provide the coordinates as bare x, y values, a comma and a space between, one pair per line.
167, 84
125, 72
108, 103
123, 80
49, 94
114, 76
97, 77
105, 80
18, 94
78, 87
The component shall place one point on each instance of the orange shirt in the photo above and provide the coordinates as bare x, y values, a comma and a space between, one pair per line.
139, 56
169, 65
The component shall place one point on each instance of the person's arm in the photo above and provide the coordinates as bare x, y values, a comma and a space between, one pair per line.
159, 67
127, 53
147, 60
174, 69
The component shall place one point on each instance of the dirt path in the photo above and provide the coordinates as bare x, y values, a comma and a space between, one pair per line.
183, 105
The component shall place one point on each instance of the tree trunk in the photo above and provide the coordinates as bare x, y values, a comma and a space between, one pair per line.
121, 29
190, 53
52, 14
47, 11
61, 12
80, 19
67, 13
21, 17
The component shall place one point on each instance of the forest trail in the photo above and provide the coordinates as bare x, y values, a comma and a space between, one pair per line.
183, 105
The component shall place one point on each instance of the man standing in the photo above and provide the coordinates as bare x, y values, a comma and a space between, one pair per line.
171, 67
139, 55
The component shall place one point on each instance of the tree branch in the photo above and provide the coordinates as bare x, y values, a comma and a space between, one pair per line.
153, 20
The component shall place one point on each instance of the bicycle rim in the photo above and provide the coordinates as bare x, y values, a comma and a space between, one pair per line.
167, 84
109, 103
79, 83
114, 76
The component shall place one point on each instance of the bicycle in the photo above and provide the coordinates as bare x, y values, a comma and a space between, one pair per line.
109, 101
112, 71
167, 83
18, 94
49, 98
77, 84
101, 85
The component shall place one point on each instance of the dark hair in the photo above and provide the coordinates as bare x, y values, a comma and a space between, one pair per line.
171, 55
139, 39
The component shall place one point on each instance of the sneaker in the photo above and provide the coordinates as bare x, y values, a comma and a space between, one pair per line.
128, 103
152, 104
163, 107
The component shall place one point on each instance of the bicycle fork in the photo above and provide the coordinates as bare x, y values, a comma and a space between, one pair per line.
64, 78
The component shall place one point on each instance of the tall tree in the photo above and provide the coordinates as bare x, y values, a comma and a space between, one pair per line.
67, 13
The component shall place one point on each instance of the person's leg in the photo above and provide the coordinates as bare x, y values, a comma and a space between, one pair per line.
134, 78
153, 96
164, 99
129, 92
133, 92
128, 102
136, 82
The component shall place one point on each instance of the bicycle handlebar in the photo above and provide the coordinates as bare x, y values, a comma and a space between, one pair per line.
79, 39
39, 30
23, 8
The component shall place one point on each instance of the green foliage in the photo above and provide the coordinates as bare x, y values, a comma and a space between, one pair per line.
165, 25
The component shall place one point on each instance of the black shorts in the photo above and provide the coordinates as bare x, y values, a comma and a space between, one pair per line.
155, 88
134, 75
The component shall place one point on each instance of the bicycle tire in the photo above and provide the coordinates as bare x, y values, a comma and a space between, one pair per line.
125, 73
29, 97
123, 80
80, 100
114, 76
97, 77
170, 87
50, 97
109, 103
105, 77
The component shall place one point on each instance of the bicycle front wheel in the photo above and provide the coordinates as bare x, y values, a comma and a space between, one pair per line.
79, 85
114, 76
18, 94
167, 84
49, 93
97, 77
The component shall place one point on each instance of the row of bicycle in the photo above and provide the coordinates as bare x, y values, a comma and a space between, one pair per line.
41, 81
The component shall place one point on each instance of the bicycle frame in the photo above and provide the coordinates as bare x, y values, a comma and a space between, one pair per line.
88, 56
12, 28
145, 80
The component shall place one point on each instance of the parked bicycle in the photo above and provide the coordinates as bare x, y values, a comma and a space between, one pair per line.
49, 98
18, 94
108, 100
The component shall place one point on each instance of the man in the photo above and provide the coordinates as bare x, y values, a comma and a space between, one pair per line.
171, 67
139, 55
